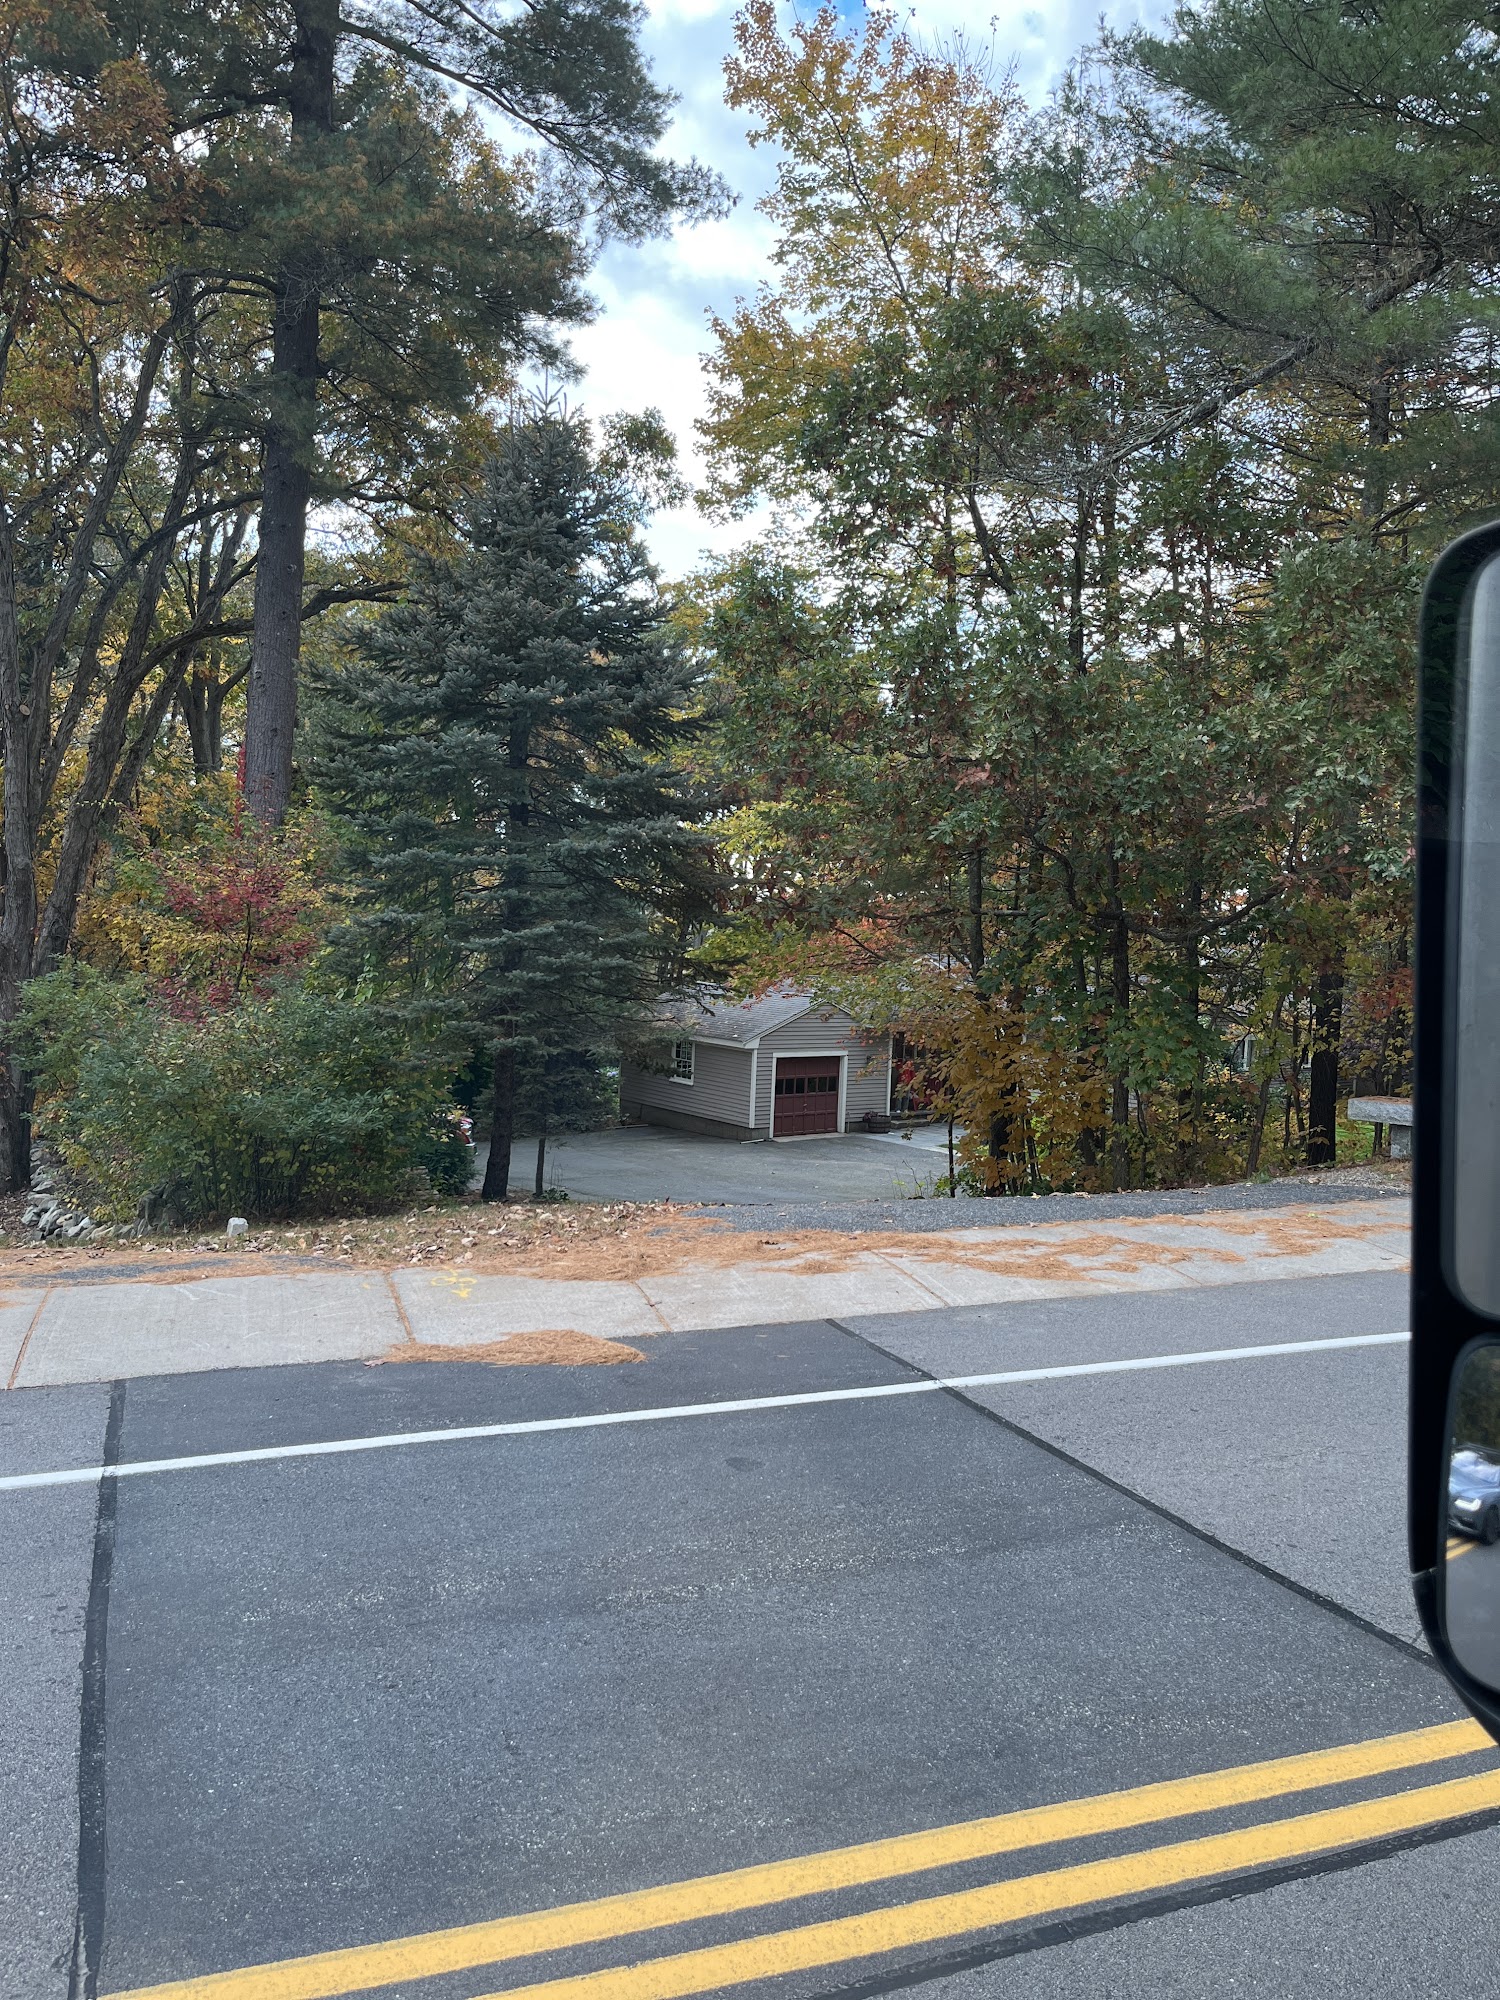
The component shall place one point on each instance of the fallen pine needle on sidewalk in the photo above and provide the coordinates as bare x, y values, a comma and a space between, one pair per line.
553, 1346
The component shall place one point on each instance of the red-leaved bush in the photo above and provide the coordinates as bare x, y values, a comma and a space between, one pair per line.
236, 917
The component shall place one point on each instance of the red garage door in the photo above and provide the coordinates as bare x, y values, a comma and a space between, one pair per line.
807, 1095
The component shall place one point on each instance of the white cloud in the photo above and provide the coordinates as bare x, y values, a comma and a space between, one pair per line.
646, 346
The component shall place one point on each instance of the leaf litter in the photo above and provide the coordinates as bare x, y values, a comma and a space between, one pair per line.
629, 1241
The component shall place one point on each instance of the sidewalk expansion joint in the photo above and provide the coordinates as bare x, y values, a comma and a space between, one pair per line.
399, 1304
15, 1372
652, 1306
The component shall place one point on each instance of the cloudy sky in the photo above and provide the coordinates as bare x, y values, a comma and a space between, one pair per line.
644, 349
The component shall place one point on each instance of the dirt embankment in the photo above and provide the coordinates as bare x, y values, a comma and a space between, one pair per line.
526, 1238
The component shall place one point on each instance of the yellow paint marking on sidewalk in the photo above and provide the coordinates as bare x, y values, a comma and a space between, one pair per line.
361, 1967
940, 1917
1459, 1546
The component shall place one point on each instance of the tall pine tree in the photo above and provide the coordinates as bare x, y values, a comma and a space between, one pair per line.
505, 750
398, 194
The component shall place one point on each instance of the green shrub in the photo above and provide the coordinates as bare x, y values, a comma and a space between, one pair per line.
287, 1103
444, 1155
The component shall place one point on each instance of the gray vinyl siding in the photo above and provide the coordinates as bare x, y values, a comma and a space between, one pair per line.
869, 1086
867, 1082
720, 1088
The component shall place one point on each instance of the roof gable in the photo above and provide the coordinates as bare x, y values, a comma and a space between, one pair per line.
710, 1015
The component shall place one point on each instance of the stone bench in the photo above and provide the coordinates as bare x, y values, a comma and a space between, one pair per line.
1392, 1111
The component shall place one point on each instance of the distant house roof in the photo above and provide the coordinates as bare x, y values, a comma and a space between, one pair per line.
712, 1016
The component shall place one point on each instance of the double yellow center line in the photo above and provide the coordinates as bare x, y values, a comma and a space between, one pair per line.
924, 1920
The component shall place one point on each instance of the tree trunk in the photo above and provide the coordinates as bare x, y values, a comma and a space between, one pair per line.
999, 1136
1109, 559
91, 804
1119, 1096
976, 908
204, 693
1091, 1139
194, 703
1376, 494
30, 762
1190, 1095
503, 1119
999, 1151
1323, 1066
502, 1127
541, 1160
1258, 1127
1077, 577
288, 450
18, 853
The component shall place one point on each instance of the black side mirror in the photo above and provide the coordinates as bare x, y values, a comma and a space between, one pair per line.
1454, 1499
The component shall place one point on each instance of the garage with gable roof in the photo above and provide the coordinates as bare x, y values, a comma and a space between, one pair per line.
781, 1066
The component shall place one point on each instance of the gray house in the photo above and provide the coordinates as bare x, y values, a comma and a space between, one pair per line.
780, 1067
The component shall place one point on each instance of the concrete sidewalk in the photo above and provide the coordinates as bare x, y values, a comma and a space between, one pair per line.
77, 1331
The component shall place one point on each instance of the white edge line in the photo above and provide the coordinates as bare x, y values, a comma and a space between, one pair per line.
1185, 1360
86, 1475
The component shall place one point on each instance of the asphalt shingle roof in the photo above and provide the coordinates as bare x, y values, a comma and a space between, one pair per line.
715, 1017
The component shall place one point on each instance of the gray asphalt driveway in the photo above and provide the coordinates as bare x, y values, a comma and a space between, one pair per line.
651, 1163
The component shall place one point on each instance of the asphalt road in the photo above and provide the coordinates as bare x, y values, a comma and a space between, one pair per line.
335, 1700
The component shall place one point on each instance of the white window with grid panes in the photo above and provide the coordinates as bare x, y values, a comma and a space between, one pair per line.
682, 1062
